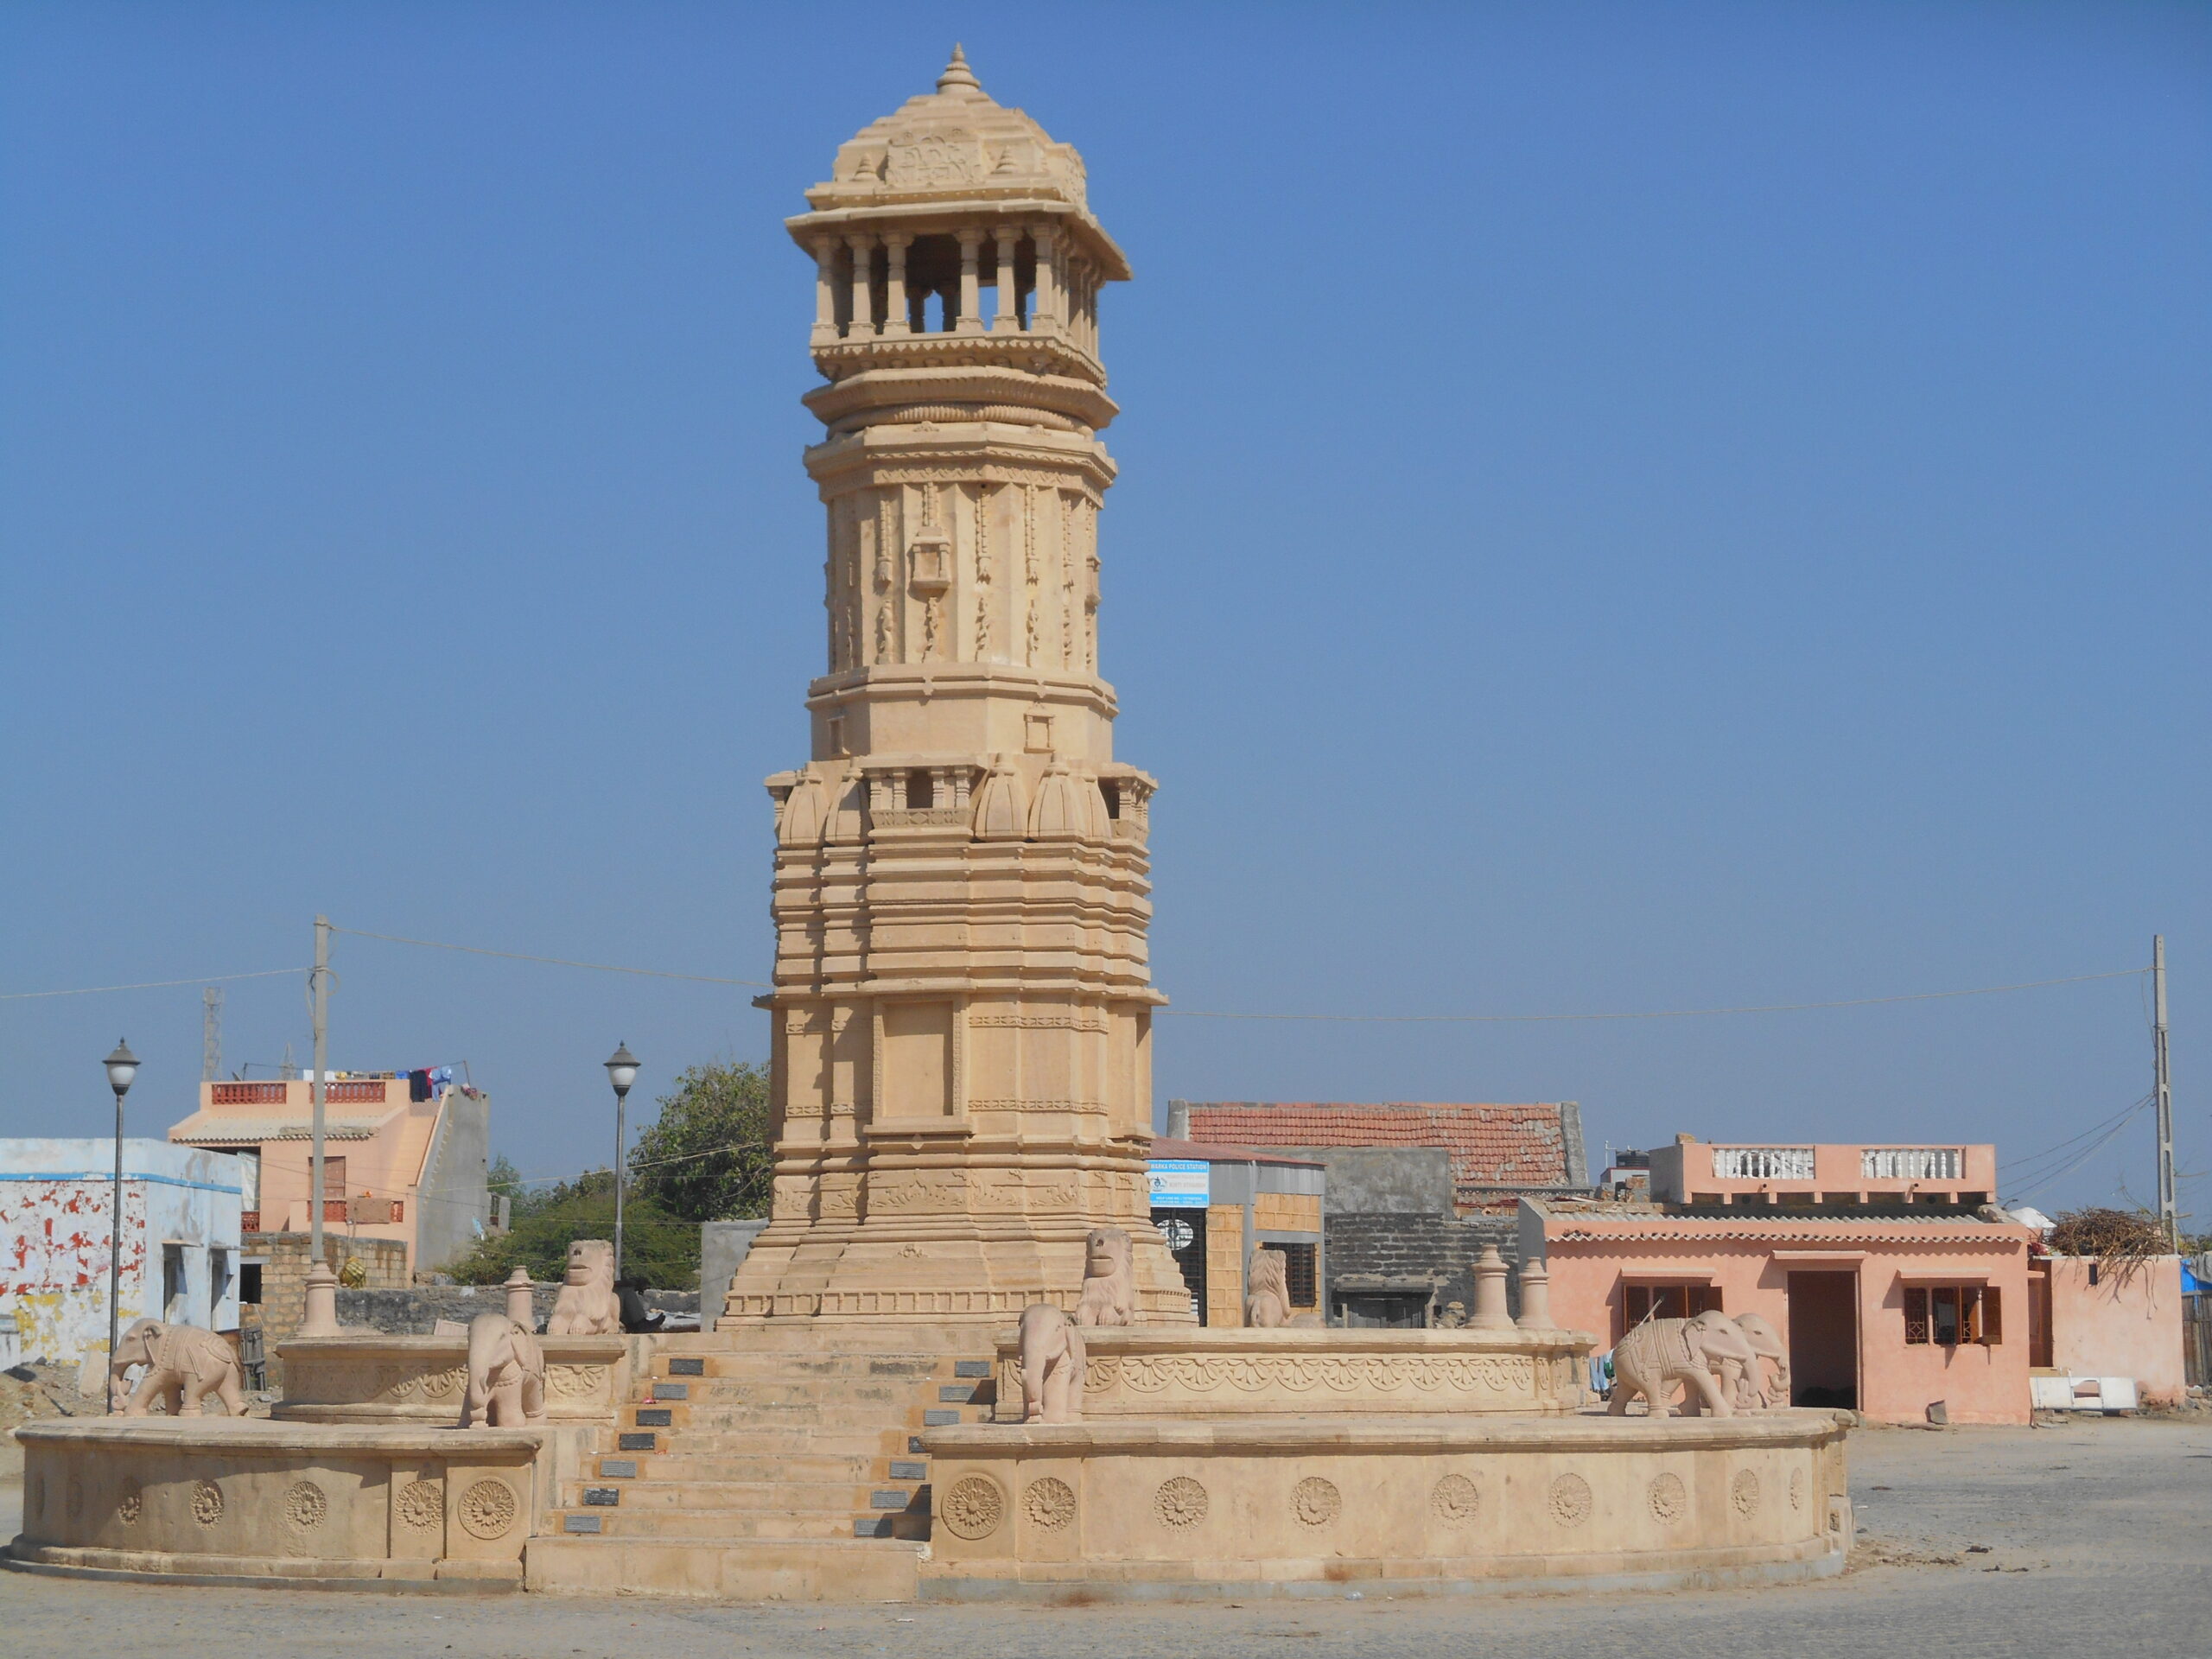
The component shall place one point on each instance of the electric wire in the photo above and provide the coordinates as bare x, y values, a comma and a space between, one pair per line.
1659, 1013
149, 985
558, 962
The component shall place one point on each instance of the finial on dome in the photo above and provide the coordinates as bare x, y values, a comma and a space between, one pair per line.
959, 79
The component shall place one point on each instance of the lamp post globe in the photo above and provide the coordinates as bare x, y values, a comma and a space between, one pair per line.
621, 1071
122, 1070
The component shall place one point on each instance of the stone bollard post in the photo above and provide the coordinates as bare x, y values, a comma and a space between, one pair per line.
1535, 1295
519, 1308
321, 1319
1489, 1293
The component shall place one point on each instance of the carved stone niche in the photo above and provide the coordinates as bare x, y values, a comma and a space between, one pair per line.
929, 562
926, 794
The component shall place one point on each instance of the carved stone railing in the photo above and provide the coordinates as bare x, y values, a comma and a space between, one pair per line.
381, 1379
1763, 1163
1912, 1163
1155, 1371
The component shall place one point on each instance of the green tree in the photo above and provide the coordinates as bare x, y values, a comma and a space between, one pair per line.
708, 1157
660, 1248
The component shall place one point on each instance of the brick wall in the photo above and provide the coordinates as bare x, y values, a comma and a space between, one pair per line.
285, 1259
1407, 1247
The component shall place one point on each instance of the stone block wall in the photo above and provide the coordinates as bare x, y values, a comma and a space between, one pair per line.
1225, 1265
1287, 1213
1416, 1246
414, 1312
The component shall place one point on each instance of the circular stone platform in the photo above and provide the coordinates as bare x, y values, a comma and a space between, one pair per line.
1260, 1506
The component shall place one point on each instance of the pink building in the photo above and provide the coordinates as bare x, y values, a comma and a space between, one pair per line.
1895, 1286
400, 1161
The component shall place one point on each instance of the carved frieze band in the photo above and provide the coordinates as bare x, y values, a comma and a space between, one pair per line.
1151, 1374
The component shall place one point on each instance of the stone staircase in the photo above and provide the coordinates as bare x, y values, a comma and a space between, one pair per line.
755, 1473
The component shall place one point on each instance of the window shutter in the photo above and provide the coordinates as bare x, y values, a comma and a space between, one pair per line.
1704, 1298
1969, 1314
1915, 1316
1993, 1323
1635, 1303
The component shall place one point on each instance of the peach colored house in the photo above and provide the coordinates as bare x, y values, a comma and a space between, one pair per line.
2119, 1324
394, 1167
1895, 1286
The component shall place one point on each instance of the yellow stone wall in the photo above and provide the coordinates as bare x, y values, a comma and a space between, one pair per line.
1287, 1213
1225, 1265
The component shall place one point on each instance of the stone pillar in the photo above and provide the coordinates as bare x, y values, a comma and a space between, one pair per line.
1535, 1295
1489, 1313
825, 289
863, 249
321, 1319
1007, 317
971, 297
1045, 318
894, 285
519, 1306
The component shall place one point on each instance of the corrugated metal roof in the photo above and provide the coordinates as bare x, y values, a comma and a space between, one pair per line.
1508, 1146
207, 1129
1692, 1229
1165, 1146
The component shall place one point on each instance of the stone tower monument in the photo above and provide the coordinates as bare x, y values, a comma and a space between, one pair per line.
962, 1010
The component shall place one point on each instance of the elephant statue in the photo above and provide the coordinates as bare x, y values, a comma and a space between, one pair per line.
586, 1304
1749, 1385
184, 1365
507, 1375
1660, 1353
1051, 1366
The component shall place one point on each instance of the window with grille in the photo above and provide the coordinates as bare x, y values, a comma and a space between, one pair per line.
1299, 1270
1952, 1315
1683, 1301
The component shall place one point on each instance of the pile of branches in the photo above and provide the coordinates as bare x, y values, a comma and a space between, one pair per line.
2121, 1240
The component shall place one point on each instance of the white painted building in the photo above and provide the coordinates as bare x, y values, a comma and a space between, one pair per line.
180, 1240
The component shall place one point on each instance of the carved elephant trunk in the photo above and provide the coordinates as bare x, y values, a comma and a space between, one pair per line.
507, 1375
1052, 1360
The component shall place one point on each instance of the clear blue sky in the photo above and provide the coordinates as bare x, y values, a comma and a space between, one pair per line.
1623, 507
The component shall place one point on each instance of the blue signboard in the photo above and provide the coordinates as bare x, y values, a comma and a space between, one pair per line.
1181, 1183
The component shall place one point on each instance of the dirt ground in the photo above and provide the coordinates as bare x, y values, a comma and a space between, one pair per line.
2087, 1538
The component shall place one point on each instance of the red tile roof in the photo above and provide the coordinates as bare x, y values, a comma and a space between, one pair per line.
1490, 1146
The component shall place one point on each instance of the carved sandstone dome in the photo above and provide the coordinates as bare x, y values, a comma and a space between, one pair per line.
952, 141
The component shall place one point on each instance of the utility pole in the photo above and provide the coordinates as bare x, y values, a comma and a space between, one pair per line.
2169, 1211
319, 1085
211, 1033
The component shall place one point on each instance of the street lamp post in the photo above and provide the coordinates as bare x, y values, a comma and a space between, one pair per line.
621, 1071
121, 1067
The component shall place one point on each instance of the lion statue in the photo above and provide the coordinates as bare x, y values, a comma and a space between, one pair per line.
586, 1306
1109, 1290
507, 1375
184, 1365
1053, 1361
1267, 1303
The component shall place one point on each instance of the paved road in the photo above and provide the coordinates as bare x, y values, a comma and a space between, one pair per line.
2087, 1540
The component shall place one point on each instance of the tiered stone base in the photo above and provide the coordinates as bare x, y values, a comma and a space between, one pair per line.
1260, 1505
247, 1499
809, 1459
